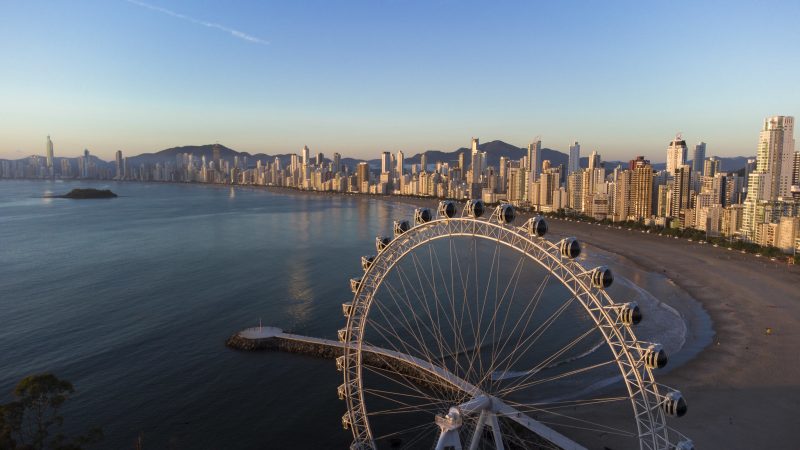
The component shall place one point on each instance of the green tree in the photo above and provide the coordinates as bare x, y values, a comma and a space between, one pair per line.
32, 421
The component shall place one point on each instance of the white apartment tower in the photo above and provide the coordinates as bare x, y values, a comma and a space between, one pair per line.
49, 156
535, 159
772, 179
676, 154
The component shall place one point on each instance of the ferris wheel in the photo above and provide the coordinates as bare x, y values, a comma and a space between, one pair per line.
471, 332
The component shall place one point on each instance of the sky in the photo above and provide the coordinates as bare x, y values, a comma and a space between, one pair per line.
361, 77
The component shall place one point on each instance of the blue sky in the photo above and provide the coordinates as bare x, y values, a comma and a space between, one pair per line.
360, 77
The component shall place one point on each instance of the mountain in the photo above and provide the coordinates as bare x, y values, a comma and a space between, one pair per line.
494, 151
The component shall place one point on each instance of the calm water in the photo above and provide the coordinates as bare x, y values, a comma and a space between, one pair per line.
132, 299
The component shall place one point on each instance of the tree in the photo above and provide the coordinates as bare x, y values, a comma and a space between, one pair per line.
32, 421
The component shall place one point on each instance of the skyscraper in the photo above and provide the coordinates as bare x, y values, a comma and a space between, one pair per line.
698, 157
399, 164
535, 159
304, 155
676, 154
119, 164
711, 167
574, 163
423, 162
215, 156
680, 191
386, 159
774, 173
337, 162
362, 175
50, 169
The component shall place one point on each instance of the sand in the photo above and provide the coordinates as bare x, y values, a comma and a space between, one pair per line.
743, 389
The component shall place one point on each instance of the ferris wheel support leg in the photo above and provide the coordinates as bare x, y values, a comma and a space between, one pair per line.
448, 439
478, 433
498, 434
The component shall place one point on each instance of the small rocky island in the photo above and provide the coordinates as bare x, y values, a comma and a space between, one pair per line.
81, 194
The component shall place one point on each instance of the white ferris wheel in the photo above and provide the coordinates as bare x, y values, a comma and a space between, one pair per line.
467, 332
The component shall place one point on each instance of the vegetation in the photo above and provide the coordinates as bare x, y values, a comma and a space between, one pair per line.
88, 193
32, 420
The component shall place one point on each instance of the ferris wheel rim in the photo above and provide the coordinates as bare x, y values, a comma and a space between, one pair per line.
650, 420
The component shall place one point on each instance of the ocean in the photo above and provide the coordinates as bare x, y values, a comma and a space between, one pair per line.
131, 299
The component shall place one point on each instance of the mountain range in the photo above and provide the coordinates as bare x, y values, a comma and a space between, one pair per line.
494, 151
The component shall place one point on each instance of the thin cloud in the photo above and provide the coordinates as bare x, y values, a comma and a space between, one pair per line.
231, 31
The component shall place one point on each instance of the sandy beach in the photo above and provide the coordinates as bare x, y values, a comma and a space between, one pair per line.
743, 388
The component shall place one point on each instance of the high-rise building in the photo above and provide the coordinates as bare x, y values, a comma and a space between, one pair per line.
698, 157
642, 191
304, 155
423, 162
50, 169
711, 167
320, 159
399, 164
676, 154
119, 165
362, 175
774, 173
574, 163
337, 163
681, 187
594, 160
386, 161
535, 159
215, 156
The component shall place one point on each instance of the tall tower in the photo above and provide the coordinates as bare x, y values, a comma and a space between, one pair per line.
423, 162
386, 160
535, 159
774, 171
574, 163
698, 157
216, 157
50, 157
676, 154
337, 162
305, 155
400, 164
119, 164
680, 191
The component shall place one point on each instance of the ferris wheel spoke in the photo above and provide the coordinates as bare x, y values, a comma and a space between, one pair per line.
543, 414
380, 329
435, 323
414, 331
412, 383
546, 362
528, 311
525, 345
560, 376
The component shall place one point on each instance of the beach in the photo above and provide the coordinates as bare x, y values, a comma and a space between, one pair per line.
741, 382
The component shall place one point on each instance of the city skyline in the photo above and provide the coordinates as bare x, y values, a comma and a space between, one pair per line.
369, 77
